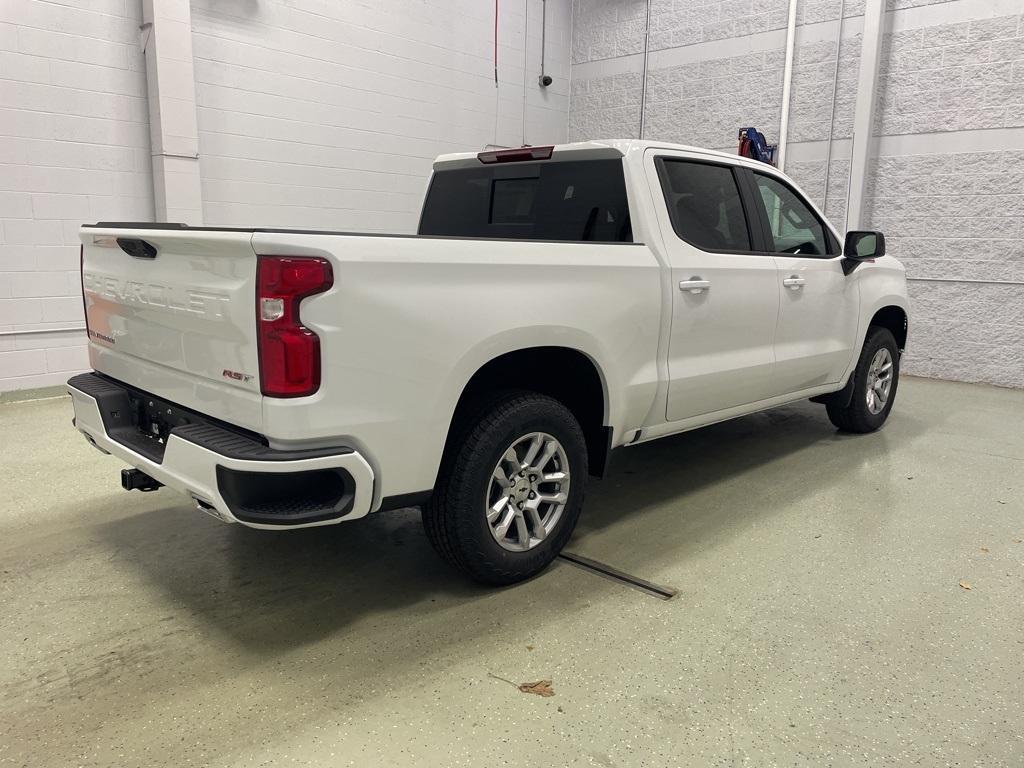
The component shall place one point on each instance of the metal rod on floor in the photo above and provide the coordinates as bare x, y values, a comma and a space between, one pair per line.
614, 574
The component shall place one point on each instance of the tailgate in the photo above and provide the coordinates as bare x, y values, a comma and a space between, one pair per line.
173, 312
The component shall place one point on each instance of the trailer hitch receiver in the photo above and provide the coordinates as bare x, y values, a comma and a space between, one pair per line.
137, 480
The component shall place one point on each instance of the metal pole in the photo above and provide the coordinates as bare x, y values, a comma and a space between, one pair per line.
173, 127
832, 112
864, 110
787, 84
33, 331
643, 76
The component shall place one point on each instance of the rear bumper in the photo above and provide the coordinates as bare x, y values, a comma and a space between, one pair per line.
229, 474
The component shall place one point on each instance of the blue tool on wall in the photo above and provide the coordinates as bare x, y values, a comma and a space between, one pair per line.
753, 145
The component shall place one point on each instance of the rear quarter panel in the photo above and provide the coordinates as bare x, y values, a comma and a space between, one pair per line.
410, 320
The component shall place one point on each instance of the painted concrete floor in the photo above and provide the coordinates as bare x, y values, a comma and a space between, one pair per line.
820, 619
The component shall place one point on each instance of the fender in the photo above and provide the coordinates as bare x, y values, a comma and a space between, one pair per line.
516, 340
519, 339
889, 290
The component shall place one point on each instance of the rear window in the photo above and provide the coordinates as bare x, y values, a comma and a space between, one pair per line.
575, 200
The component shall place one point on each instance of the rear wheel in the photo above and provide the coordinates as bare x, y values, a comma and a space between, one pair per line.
510, 490
874, 384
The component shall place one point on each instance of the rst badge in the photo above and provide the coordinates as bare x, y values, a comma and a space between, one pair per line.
236, 376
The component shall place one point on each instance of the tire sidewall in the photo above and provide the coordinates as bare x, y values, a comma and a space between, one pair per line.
876, 341
478, 466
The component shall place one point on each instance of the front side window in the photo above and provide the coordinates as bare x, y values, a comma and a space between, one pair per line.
794, 227
704, 205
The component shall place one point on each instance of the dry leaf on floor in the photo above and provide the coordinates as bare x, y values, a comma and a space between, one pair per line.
541, 688
965, 585
529, 647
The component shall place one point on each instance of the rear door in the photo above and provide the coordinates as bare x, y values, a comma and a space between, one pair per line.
173, 312
818, 304
725, 296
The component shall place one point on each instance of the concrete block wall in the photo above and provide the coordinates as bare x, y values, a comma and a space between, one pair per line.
322, 114
947, 176
326, 114
74, 147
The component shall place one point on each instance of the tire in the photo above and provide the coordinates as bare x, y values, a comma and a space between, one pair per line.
456, 516
859, 415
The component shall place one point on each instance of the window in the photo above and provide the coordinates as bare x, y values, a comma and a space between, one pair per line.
512, 200
553, 200
704, 204
794, 226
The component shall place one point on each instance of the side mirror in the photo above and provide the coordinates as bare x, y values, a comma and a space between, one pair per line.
861, 245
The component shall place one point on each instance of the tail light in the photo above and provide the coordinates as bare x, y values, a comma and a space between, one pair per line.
289, 352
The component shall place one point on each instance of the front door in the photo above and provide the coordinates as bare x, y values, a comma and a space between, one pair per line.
725, 297
818, 310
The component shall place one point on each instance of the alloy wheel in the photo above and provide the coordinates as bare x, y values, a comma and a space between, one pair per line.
527, 491
879, 381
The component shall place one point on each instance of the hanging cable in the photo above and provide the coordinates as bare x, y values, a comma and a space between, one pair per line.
526, 52
497, 103
543, 35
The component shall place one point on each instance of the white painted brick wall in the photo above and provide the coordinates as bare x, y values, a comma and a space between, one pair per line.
953, 70
312, 113
74, 147
326, 114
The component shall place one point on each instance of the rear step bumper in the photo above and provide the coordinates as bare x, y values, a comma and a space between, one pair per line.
228, 473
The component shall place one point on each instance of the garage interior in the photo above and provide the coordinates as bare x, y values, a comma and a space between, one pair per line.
835, 599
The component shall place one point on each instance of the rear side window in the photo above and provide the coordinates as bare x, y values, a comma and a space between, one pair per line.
793, 225
704, 205
576, 200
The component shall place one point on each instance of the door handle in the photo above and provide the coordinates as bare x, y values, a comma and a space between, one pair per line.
794, 282
694, 285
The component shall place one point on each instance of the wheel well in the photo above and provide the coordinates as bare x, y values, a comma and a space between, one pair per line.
895, 319
564, 374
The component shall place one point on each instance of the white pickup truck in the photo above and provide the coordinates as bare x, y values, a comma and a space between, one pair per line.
556, 304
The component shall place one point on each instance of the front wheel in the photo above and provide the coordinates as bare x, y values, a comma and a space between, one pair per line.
874, 384
510, 491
